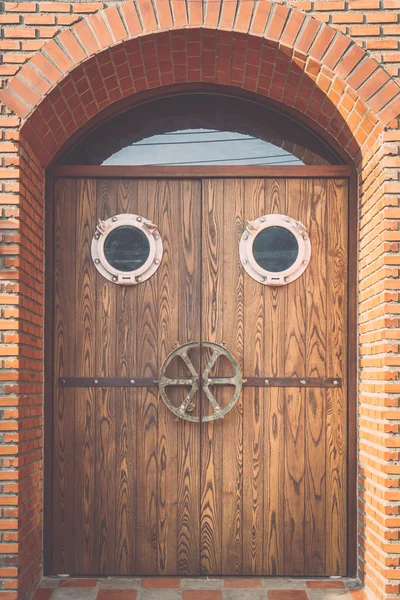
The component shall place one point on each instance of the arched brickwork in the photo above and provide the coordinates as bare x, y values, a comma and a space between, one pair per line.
269, 48
266, 48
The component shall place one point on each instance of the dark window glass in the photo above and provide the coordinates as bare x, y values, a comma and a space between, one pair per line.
126, 248
201, 129
275, 249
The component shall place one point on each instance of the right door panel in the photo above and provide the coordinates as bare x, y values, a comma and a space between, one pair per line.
273, 476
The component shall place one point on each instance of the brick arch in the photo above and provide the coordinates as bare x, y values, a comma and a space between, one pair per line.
271, 49
266, 48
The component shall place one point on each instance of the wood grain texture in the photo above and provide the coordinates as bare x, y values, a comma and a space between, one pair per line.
262, 491
294, 365
211, 331
255, 347
126, 413
64, 360
315, 399
85, 365
336, 408
105, 345
188, 254
274, 423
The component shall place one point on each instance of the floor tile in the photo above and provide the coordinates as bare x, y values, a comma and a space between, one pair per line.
49, 582
74, 594
242, 583
77, 583
161, 582
352, 583
280, 583
43, 594
358, 595
201, 595
319, 594
202, 583
119, 583
287, 595
253, 594
330, 584
160, 594
113, 594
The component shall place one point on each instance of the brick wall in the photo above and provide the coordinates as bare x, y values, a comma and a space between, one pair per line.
54, 83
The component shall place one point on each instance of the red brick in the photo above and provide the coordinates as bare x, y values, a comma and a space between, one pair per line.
20, 32
72, 46
86, 37
117, 27
87, 7
131, 18
20, 7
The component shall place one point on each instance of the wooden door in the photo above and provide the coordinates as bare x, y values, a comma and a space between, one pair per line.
273, 471
126, 473
137, 490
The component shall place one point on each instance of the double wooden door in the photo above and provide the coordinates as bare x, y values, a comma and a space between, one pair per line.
137, 490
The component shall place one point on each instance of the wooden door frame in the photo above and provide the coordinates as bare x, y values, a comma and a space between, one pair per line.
192, 172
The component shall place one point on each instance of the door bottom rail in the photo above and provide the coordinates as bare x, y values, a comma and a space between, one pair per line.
285, 382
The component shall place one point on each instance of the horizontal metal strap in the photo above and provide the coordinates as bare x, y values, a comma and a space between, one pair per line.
107, 381
292, 382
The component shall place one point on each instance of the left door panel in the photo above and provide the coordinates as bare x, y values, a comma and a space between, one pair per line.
126, 473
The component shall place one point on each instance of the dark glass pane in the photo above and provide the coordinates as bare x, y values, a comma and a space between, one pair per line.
201, 129
126, 248
275, 249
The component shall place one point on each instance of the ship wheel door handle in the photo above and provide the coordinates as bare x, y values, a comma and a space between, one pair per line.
188, 404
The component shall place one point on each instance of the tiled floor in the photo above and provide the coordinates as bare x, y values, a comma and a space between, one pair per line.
170, 588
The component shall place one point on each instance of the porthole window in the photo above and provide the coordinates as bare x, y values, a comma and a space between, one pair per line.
275, 249
127, 249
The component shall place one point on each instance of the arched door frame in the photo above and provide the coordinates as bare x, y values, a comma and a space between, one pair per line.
347, 170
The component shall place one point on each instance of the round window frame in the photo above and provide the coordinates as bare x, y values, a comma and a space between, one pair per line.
136, 276
275, 278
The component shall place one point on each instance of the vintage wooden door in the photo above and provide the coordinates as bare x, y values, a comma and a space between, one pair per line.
136, 488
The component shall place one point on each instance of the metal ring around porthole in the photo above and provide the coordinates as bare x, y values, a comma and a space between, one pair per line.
127, 249
294, 259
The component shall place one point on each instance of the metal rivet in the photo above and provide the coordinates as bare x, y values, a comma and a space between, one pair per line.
245, 237
97, 236
245, 261
287, 220
139, 219
335, 382
63, 381
305, 237
157, 261
263, 279
138, 279
304, 262
286, 278
303, 381
96, 381
96, 260
262, 219
132, 381
266, 381
156, 237
114, 219
115, 278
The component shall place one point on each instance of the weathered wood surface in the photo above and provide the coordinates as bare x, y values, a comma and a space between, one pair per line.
262, 491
